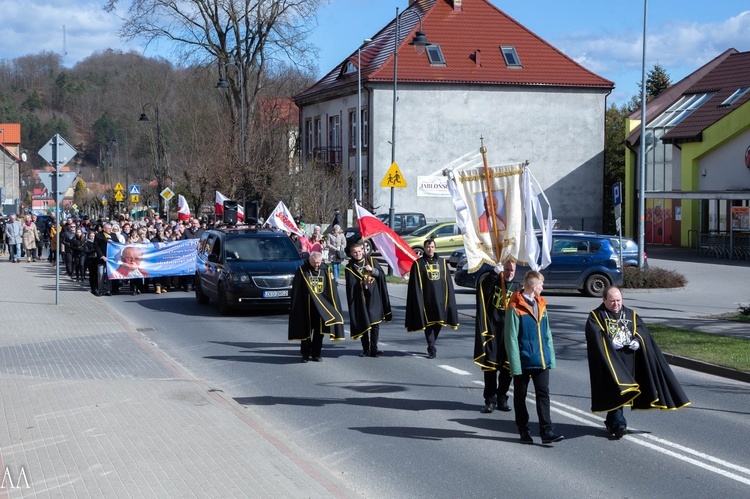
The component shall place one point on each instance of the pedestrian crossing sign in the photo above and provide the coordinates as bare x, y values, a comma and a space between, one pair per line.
393, 177
135, 189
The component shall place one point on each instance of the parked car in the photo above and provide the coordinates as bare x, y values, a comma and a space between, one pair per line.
403, 224
588, 263
456, 256
629, 251
241, 267
447, 236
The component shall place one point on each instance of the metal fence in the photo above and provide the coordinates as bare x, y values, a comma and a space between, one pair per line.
733, 246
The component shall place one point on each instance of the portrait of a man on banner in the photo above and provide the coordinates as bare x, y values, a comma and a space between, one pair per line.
484, 207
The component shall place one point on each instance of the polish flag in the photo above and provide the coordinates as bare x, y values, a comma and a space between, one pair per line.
282, 219
393, 249
219, 207
183, 210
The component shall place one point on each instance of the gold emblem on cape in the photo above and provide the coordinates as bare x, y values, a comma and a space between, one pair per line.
497, 297
317, 283
433, 271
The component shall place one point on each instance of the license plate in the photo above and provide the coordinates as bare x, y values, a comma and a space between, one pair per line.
276, 294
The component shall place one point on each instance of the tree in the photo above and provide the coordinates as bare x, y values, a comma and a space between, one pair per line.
657, 81
614, 158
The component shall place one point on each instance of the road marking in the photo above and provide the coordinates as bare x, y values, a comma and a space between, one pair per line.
454, 370
644, 439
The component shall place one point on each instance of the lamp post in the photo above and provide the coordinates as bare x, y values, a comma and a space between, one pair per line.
419, 42
223, 84
359, 129
159, 171
642, 153
5, 192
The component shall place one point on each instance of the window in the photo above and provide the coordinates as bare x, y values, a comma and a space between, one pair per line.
435, 55
334, 132
309, 137
318, 131
349, 68
352, 129
511, 57
735, 96
680, 110
365, 127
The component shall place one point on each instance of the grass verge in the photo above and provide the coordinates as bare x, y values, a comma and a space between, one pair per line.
725, 351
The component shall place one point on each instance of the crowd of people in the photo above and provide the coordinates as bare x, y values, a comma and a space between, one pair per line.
513, 337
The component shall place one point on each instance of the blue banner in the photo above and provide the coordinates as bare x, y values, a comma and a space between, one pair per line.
144, 260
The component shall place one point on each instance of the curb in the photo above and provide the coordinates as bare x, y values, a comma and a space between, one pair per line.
707, 368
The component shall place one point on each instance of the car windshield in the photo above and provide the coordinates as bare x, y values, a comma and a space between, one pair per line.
422, 231
258, 249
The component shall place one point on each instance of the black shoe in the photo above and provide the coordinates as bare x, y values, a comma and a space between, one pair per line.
488, 408
431, 355
317, 359
96, 293
549, 438
503, 405
365, 353
376, 353
304, 360
526, 438
619, 432
106, 293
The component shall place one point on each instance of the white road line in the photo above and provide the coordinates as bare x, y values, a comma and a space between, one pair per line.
592, 420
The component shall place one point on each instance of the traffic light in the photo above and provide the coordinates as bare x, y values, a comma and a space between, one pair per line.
230, 212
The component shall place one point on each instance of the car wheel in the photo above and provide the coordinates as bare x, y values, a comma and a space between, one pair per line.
596, 284
199, 296
221, 299
367, 247
419, 251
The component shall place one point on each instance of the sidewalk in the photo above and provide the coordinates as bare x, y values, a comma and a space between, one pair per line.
92, 410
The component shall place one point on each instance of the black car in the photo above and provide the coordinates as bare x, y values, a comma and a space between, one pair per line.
242, 267
403, 223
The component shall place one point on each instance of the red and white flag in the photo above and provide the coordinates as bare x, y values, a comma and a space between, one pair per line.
282, 219
393, 249
183, 210
219, 207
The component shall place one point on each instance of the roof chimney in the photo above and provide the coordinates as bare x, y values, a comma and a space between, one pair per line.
478, 58
457, 6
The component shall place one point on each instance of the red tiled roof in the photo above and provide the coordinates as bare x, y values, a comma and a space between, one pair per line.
11, 133
478, 26
726, 78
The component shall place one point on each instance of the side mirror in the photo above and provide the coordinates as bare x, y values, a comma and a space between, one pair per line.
213, 258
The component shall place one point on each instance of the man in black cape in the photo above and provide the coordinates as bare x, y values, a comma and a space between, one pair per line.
625, 365
315, 308
368, 300
430, 300
493, 291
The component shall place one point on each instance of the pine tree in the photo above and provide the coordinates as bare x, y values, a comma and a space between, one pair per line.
657, 81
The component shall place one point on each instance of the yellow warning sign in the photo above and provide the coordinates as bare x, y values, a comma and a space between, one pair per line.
118, 196
393, 177
118, 187
134, 198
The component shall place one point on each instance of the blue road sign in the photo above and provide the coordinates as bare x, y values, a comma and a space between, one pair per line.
617, 194
135, 189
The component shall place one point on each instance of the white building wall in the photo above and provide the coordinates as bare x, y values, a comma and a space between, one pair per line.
725, 167
560, 132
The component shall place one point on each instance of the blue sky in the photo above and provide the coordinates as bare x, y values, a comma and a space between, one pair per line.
603, 35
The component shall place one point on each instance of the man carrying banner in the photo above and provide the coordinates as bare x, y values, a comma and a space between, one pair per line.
315, 308
493, 292
368, 300
430, 300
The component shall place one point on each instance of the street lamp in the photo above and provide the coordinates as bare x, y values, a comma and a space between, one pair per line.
223, 84
642, 153
159, 171
359, 129
5, 192
419, 42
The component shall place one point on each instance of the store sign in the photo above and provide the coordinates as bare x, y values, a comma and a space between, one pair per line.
433, 186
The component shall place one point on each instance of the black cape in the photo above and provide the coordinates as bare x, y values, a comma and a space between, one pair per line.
652, 386
366, 306
430, 299
489, 347
314, 304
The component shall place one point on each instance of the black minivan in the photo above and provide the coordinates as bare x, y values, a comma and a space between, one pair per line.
242, 267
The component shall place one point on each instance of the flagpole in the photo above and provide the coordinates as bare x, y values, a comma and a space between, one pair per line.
496, 246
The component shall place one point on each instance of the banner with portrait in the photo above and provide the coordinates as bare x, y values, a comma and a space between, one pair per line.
145, 260
516, 209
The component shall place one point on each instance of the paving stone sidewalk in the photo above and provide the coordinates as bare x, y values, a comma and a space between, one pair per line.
90, 409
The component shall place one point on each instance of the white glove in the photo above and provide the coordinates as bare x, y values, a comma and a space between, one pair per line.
498, 269
634, 345
616, 344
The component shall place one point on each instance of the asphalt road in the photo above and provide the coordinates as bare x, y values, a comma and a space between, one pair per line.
405, 426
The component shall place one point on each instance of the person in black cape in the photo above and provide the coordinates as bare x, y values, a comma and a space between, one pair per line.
626, 365
493, 292
430, 300
368, 300
315, 308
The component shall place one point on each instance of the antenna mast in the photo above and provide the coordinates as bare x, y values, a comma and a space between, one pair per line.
65, 42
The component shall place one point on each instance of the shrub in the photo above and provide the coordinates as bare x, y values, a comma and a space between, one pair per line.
653, 277
744, 309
